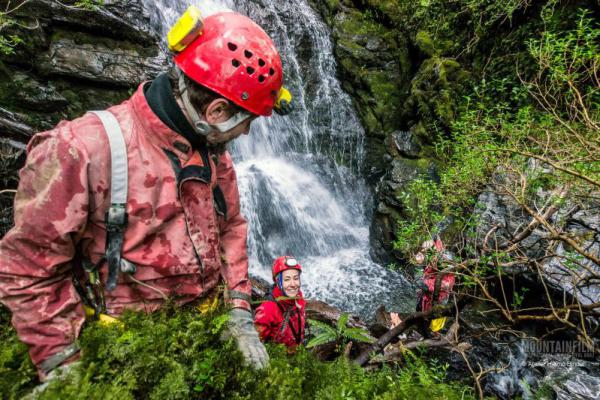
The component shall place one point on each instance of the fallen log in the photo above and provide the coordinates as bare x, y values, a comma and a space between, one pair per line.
12, 127
395, 352
407, 322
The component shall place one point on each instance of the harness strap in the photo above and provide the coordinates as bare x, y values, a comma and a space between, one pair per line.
116, 216
436, 288
286, 321
297, 335
236, 294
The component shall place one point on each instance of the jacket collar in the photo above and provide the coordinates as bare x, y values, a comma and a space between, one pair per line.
156, 130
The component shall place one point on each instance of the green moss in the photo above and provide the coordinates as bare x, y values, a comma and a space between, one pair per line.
385, 95
372, 61
436, 92
425, 43
332, 4
17, 374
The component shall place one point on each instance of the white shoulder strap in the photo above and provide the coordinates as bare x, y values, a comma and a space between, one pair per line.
118, 157
116, 216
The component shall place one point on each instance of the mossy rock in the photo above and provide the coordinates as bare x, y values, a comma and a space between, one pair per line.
374, 66
32, 41
87, 97
425, 43
435, 94
36, 96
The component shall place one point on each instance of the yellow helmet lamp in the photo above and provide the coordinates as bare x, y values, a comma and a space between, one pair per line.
187, 28
283, 105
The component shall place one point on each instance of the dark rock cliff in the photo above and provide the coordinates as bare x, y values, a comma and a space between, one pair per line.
69, 60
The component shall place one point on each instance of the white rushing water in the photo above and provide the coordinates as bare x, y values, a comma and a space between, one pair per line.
299, 175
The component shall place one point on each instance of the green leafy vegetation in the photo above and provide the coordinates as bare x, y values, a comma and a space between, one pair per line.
17, 373
7, 41
341, 334
551, 118
177, 354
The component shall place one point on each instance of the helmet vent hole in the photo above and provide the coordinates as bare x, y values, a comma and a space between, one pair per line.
248, 53
261, 78
261, 62
235, 63
271, 71
232, 46
250, 70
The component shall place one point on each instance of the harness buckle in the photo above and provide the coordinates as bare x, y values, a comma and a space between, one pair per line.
116, 218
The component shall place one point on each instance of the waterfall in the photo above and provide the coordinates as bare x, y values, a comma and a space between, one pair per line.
298, 175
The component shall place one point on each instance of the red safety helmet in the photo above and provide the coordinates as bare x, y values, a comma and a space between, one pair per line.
284, 263
237, 59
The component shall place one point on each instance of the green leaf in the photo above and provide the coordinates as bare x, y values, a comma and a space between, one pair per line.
321, 339
322, 327
342, 322
358, 335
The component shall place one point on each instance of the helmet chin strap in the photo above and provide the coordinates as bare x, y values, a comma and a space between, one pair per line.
201, 126
280, 284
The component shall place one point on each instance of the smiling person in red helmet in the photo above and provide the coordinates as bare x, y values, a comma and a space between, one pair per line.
128, 207
282, 318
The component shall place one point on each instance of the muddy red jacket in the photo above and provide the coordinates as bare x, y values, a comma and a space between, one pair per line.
432, 278
281, 321
179, 242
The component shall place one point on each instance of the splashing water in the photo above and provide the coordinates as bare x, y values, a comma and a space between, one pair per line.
298, 175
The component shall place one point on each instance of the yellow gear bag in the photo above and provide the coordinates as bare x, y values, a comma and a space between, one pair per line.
437, 324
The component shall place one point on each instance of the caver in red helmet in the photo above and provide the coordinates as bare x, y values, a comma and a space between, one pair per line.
284, 263
237, 59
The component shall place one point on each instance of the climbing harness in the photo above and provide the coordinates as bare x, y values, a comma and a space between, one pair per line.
286, 317
287, 314
92, 291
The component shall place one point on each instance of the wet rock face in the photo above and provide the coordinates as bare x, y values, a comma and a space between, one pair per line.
565, 270
374, 67
560, 269
13, 127
73, 59
119, 19
35, 95
389, 215
100, 62
70, 60
403, 144
401, 86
